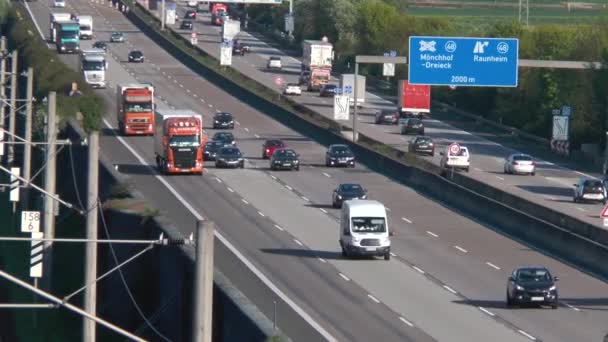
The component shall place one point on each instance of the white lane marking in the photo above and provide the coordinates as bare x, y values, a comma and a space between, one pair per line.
230, 189
492, 265
246, 129
406, 220
393, 254
581, 209
323, 210
279, 227
373, 298
289, 188
261, 213
298, 242
210, 105
194, 95
174, 81
500, 178
231, 247
304, 198
387, 209
461, 249
449, 289
257, 136
477, 169
406, 321
584, 174
273, 177
326, 175
527, 335
572, 307
202, 100
322, 260
188, 91
432, 234
486, 311
418, 269
168, 76
218, 180
344, 277
236, 122
244, 201
181, 85
218, 111
551, 198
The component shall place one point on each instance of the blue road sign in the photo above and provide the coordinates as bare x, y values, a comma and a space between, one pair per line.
348, 89
455, 61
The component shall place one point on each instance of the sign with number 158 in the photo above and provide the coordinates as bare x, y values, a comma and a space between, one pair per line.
30, 221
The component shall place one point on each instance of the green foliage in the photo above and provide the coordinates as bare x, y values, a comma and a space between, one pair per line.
50, 73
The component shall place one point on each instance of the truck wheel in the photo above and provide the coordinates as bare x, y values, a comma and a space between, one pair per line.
387, 256
344, 254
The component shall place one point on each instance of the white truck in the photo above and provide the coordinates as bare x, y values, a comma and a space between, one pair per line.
93, 64
347, 86
230, 29
55, 19
86, 26
318, 56
364, 229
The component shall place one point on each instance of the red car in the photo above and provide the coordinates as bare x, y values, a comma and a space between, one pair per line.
270, 146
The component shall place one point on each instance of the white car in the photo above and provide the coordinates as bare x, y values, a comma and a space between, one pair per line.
520, 163
589, 190
292, 89
58, 3
274, 62
461, 160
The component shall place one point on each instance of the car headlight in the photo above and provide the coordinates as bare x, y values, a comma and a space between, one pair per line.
356, 239
520, 288
364, 197
231, 121
296, 161
216, 121
553, 288
339, 197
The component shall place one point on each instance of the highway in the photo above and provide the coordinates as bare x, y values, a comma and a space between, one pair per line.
551, 187
446, 280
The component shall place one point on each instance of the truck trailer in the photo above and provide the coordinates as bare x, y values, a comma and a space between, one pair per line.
347, 86
179, 141
86, 26
93, 65
135, 109
54, 20
414, 99
317, 59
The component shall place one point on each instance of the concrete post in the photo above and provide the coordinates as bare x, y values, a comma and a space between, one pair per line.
50, 178
355, 102
162, 15
203, 282
2, 80
12, 122
90, 293
27, 148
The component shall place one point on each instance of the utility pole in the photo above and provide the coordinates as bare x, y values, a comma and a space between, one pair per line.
2, 79
163, 15
203, 282
13, 109
90, 270
49, 186
27, 148
356, 97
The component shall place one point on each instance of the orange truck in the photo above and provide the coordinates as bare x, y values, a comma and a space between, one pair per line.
135, 112
179, 141
218, 11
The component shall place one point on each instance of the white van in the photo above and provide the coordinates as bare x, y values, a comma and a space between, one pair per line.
364, 229
86, 26
460, 160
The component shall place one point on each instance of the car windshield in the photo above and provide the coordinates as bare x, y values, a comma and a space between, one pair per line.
69, 34
230, 151
184, 141
285, 153
340, 150
223, 116
531, 274
293, 85
138, 107
275, 59
136, 53
223, 136
593, 184
99, 45
274, 143
522, 158
413, 122
350, 187
85, 28
93, 66
368, 225
213, 145
423, 140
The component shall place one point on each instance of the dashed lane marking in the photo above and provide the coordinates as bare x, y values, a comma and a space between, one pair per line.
492, 265
373, 298
461, 249
244, 201
450, 289
230, 189
406, 321
279, 227
418, 269
406, 220
344, 277
261, 213
486, 311
527, 335
323, 210
298, 242
432, 234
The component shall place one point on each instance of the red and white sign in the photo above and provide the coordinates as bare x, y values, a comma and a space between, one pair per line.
279, 81
454, 148
604, 214
193, 39
414, 98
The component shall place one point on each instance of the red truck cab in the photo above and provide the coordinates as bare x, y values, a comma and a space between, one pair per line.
135, 112
218, 11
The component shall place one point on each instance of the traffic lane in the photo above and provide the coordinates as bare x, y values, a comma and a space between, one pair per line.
389, 282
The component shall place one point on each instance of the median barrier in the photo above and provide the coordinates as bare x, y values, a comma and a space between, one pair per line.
566, 237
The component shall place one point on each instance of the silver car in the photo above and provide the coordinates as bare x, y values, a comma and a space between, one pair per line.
117, 37
589, 190
520, 163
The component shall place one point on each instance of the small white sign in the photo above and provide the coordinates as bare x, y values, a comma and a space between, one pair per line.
560, 127
193, 39
30, 221
388, 69
225, 55
14, 194
289, 23
36, 256
606, 222
1, 141
341, 107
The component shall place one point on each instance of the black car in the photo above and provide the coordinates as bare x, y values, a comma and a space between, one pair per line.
186, 25
243, 46
345, 192
223, 120
328, 90
190, 14
532, 285
339, 154
411, 125
285, 158
226, 138
390, 117
422, 144
136, 56
100, 45
237, 49
211, 148
229, 156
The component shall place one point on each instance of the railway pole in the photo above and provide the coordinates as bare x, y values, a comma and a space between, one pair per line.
90, 270
203, 282
50, 178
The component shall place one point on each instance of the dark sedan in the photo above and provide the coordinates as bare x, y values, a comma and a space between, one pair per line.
411, 125
226, 138
390, 117
101, 45
136, 56
422, 144
223, 120
532, 285
228, 156
345, 192
285, 158
328, 90
186, 25
339, 154
243, 46
211, 148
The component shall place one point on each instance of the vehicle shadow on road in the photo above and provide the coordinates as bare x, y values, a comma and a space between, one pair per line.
492, 304
320, 206
547, 190
109, 132
591, 304
279, 72
135, 169
303, 253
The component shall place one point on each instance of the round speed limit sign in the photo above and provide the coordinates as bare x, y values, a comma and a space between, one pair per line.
454, 148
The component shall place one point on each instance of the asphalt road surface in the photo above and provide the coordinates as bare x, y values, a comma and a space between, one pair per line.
446, 280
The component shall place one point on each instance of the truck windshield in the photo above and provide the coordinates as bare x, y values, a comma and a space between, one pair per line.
85, 28
93, 66
185, 141
322, 77
138, 107
368, 225
69, 35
